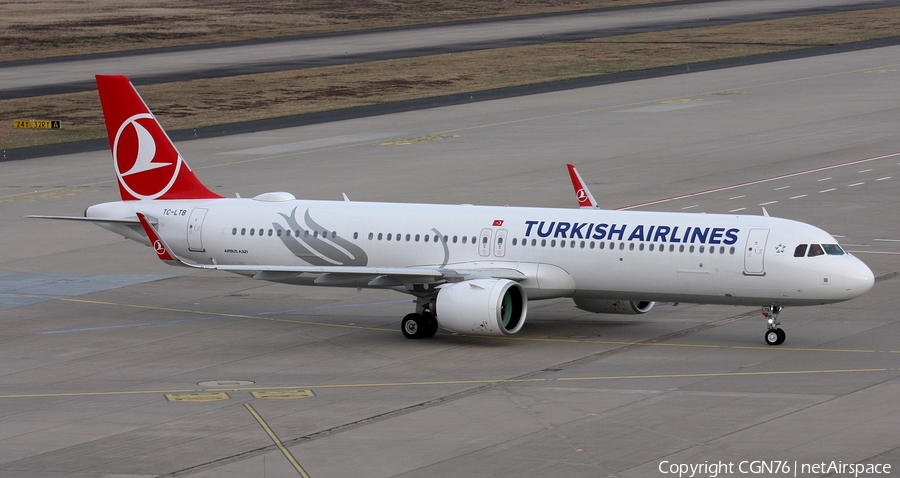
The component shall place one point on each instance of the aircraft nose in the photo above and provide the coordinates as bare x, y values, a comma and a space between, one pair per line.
858, 278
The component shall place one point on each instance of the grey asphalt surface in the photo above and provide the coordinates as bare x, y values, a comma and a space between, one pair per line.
114, 364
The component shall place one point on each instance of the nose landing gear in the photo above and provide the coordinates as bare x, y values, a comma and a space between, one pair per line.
774, 335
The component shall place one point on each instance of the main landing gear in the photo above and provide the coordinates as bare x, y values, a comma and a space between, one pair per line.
419, 326
422, 324
774, 335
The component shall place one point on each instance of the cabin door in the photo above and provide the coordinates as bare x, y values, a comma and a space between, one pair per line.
195, 229
754, 252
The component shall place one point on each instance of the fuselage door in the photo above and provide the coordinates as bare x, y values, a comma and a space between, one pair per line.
195, 229
484, 242
500, 243
754, 252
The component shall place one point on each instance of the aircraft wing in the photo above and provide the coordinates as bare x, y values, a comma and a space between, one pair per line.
93, 219
335, 275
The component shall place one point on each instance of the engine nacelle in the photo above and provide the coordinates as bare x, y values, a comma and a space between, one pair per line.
482, 307
601, 306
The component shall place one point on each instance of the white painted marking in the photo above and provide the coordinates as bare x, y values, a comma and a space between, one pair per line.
738, 209
798, 197
823, 179
887, 240
855, 184
866, 170
782, 187
828, 190
760, 181
690, 207
738, 197
767, 203
882, 179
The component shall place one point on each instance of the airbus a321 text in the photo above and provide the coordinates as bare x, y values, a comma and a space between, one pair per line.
471, 269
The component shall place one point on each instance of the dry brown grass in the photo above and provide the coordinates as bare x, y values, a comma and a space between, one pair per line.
49, 28
242, 98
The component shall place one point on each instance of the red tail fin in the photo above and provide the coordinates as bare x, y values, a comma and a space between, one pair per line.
147, 164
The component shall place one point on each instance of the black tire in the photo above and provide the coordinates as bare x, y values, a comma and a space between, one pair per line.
775, 336
430, 325
413, 326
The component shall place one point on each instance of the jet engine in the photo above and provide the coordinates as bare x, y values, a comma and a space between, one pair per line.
482, 307
600, 306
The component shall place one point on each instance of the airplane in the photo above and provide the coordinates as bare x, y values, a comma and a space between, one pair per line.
472, 269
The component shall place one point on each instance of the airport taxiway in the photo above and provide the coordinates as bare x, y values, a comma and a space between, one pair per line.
62, 75
114, 364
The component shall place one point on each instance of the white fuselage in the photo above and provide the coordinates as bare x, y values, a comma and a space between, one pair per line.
581, 253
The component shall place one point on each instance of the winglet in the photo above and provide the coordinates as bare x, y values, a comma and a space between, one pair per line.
582, 193
162, 249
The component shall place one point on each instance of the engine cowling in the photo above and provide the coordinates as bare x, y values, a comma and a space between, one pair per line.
601, 306
482, 307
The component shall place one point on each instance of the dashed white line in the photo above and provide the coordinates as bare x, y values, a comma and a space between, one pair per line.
798, 197
767, 203
738, 209
855, 184
823, 179
882, 179
828, 190
690, 207
887, 240
866, 170
782, 187
738, 197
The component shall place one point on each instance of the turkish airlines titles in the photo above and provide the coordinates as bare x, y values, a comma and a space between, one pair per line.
640, 232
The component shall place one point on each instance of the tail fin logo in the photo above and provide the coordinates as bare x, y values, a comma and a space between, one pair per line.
147, 165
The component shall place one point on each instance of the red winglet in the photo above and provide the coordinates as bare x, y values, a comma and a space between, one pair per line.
147, 164
584, 196
159, 245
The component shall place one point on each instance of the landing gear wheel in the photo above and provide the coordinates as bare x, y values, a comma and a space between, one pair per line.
430, 325
775, 336
413, 326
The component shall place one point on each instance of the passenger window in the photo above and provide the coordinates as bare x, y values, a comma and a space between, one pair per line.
251, 231
465, 238
833, 249
800, 251
356, 235
815, 250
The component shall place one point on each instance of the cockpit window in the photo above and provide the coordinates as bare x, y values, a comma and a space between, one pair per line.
833, 249
800, 251
815, 250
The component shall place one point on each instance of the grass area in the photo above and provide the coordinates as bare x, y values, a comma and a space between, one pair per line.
242, 98
49, 28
